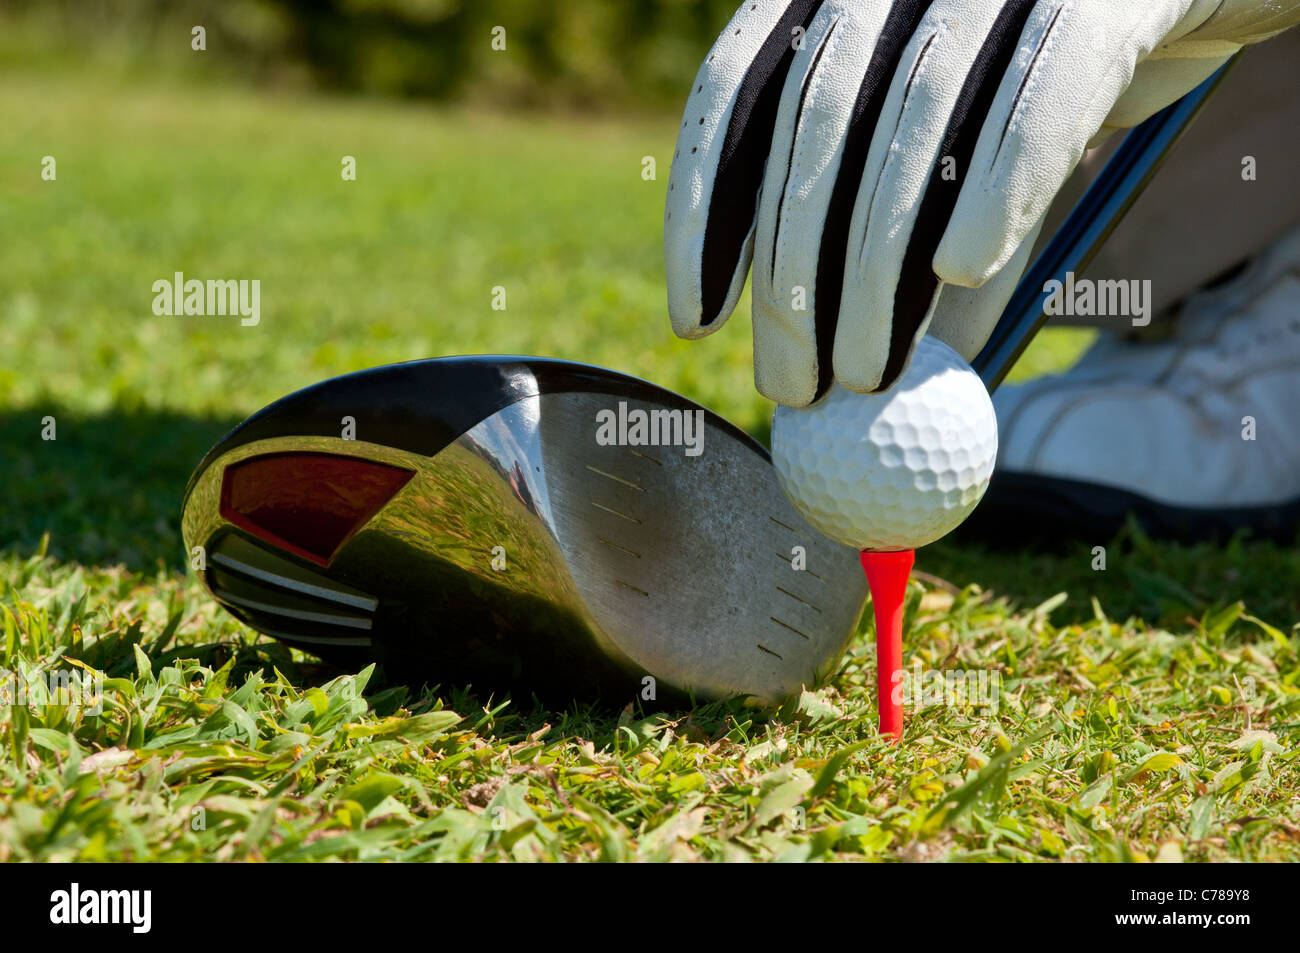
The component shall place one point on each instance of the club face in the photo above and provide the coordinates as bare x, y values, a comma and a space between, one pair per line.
527, 551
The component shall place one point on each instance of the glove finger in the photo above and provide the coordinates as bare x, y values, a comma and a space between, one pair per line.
914, 173
816, 109
722, 147
965, 317
1074, 62
1156, 84
823, 134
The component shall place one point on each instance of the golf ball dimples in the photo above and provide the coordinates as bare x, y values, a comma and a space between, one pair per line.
896, 470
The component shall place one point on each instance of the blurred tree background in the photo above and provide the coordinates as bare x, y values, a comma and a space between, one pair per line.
603, 55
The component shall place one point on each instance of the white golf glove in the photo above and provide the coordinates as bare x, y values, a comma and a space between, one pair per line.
887, 165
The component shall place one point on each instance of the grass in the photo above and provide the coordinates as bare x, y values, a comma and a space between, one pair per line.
1147, 712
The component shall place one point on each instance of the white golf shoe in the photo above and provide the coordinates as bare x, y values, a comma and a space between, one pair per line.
1197, 436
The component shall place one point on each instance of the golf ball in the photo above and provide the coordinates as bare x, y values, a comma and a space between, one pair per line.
896, 470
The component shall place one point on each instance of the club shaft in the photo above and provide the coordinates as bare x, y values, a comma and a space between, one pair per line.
1087, 227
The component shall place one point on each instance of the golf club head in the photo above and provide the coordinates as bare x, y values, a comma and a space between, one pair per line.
500, 521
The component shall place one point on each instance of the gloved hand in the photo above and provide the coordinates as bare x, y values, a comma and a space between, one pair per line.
887, 165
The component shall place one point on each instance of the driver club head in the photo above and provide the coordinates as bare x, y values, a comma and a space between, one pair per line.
505, 522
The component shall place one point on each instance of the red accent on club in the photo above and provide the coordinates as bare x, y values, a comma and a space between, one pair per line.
309, 504
887, 576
